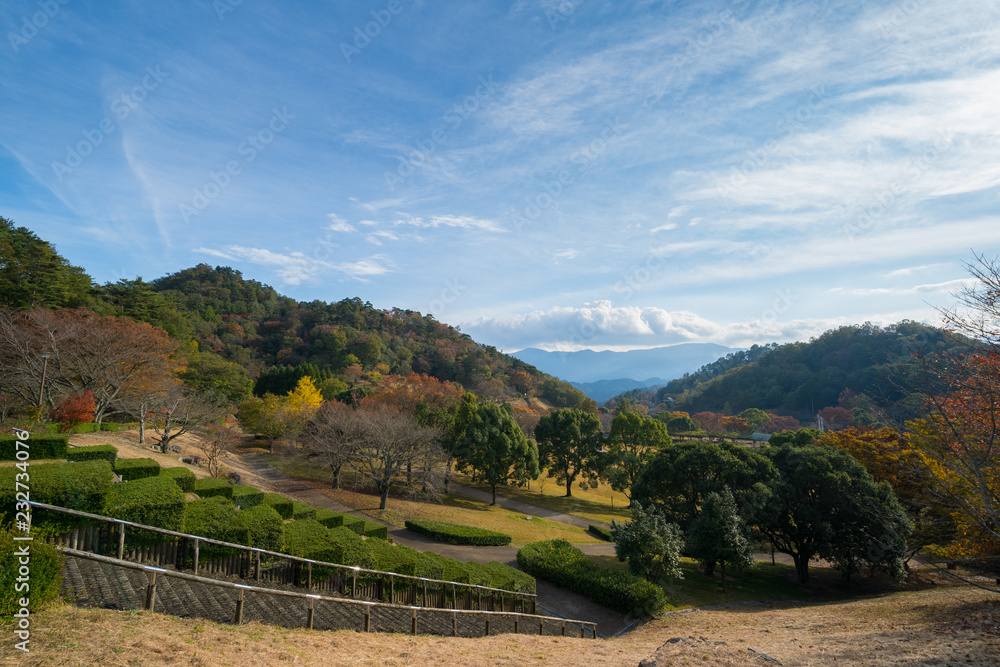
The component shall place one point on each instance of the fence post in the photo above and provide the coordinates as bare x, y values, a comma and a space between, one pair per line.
197, 542
354, 585
454, 597
312, 614
541, 626
368, 618
414, 628
454, 624
517, 625
151, 591
487, 625
423, 603
239, 608
479, 599
564, 628
392, 589
121, 541
257, 577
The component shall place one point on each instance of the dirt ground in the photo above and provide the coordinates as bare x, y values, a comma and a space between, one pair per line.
926, 624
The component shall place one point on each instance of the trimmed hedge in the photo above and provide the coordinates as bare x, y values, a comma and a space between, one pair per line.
247, 496
510, 578
329, 518
354, 524
376, 530
389, 558
266, 527
302, 511
132, 469
311, 539
281, 504
152, 501
79, 486
39, 447
356, 550
426, 564
455, 534
217, 518
564, 565
107, 452
602, 533
183, 477
46, 574
209, 487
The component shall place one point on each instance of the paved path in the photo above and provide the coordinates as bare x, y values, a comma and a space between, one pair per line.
555, 601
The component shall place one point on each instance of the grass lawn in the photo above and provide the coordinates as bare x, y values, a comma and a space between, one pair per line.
765, 582
455, 509
599, 505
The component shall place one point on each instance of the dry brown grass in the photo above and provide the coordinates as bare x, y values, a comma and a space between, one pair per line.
942, 624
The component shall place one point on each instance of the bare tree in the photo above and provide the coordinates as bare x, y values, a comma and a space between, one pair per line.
330, 437
178, 411
217, 442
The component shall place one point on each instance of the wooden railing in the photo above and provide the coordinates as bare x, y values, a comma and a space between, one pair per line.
132, 542
489, 621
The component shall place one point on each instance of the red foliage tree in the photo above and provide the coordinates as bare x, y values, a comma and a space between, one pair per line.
74, 410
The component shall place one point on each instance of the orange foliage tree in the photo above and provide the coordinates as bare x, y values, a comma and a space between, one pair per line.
73, 410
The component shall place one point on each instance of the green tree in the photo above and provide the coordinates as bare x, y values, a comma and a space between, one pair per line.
755, 417
568, 442
634, 440
650, 544
718, 535
208, 372
824, 503
494, 450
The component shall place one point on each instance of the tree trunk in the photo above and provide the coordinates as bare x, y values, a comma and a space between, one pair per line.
142, 428
569, 487
801, 567
725, 589
494, 495
384, 500
409, 473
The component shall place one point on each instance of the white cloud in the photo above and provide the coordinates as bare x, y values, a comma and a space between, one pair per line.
296, 268
454, 221
338, 224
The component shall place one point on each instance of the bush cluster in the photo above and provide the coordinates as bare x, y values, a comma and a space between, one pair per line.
209, 487
106, 452
455, 534
132, 469
281, 504
377, 530
302, 511
266, 527
564, 565
182, 476
311, 539
78, 486
247, 496
329, 518
150, 501
39, 447
216, 518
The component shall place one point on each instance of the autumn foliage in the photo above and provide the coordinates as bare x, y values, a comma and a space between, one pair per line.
74, 410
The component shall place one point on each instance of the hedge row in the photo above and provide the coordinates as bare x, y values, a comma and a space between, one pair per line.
455, 534
132, 469
182, 476
266, 527
208, 487
564, 565
329, 518
248, 496
302, 511
151, 501
377, 530
38, 447
217, 518
280, 503
311, 539
602, 533
106, 452
79, 486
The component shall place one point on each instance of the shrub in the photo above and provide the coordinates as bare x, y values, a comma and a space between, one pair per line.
247, 496
38, 447
131, 469
107, 452
75, 410
426, 564
510, 578
208, 487
46, 575
302, 511
602, 533
454, 534
85, 428
356, 550
217, 518
329, 518
266, 527
111, 427
183, 477
564, 565
389, 558
376, 530
151, 501
354, 524
311, 539
280, 503
79, 486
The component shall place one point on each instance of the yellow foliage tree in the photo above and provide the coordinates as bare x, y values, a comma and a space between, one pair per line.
305, 399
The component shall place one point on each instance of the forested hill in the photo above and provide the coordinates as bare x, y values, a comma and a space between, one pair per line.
865, 365
249, 323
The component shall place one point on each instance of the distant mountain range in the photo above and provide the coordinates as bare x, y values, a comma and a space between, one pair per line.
603, 375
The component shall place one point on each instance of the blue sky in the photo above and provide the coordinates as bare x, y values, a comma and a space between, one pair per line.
552, 173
